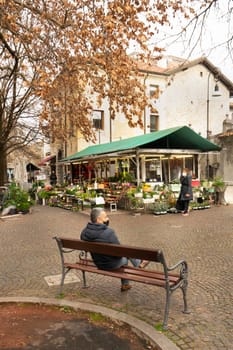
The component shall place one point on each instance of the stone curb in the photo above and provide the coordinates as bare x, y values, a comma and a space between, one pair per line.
145, 330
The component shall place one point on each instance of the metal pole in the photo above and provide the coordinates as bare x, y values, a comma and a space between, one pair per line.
208, 123
100, 121
138, 168
216, 93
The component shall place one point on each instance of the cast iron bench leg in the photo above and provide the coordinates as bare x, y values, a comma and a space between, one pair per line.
84, 280
184, 291
165, 321
62, 279
64, 273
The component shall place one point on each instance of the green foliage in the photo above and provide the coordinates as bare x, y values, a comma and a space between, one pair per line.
136, 203
19, 198
45, 194
218, 183
159, 327
121, 177
60, 296
161, 206
96, 317
66, 309
126, 177
71, 191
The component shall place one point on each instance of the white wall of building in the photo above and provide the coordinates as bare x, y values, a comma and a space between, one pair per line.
184, 101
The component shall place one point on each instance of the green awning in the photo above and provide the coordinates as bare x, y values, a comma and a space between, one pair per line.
173, 138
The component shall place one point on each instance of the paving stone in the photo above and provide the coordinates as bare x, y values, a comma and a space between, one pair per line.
204, 238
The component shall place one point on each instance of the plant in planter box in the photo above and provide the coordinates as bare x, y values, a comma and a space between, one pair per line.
206, 204
193, 206
218, 184
219, 187
160, 208
146, 195
45, 193
136, 204
197, 193
71, 191
24, 207
19, 199
156, 195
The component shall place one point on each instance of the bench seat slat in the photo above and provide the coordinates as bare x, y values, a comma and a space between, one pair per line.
135, 271
151, 278
148, 273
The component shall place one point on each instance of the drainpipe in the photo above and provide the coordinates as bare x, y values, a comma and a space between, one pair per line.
145, 107
138, 167
110, 121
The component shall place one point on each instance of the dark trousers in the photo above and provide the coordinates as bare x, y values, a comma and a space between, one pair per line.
186, 206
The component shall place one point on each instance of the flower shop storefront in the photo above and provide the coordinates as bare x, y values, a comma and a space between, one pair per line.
153, 158
141, 172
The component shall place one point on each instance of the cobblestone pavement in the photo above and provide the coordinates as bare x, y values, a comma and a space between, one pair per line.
204, 238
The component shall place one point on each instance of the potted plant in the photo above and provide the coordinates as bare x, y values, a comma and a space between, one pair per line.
18, 198
44, 194
219, 187
138, 193
136, 204
218, 184
160, 208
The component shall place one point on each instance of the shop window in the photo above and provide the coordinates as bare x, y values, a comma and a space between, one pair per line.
176, 166
98, 119
172, 168
153, 170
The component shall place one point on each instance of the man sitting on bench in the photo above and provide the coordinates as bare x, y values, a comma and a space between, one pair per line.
98, 231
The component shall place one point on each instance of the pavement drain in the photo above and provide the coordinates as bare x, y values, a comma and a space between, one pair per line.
55, 280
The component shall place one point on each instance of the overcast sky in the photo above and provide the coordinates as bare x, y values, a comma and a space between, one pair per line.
209, 39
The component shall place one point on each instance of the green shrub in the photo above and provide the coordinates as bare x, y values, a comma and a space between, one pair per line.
19, 198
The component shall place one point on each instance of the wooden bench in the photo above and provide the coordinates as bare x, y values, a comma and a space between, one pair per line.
170, 278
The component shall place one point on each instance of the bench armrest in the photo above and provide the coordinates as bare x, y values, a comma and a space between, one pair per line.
182, 265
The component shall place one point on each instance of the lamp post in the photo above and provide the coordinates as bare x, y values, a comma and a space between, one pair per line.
215, 93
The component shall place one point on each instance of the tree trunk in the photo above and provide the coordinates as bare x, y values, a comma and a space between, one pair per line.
3, 166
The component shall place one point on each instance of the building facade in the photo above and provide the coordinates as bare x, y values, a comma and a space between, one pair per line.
194, 94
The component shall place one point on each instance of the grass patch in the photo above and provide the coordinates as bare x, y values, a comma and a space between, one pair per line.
66, 309
96, 317
159, 327
60, 296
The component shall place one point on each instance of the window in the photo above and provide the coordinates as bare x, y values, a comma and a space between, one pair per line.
154, 122
154, 91
98, 119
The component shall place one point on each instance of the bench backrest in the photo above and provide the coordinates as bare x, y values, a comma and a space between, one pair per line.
112, 249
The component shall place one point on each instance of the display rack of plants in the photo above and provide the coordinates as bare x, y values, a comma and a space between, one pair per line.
200, 206
195, 207
160, 208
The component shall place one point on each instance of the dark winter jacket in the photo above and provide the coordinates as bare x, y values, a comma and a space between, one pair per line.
186, 192
101, 233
